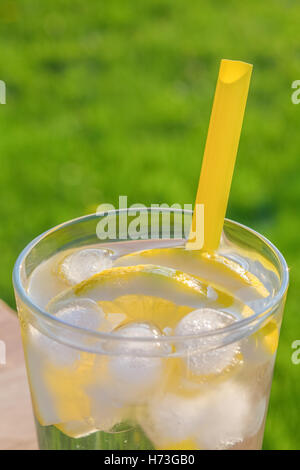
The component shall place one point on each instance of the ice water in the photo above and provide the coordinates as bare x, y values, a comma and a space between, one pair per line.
171, 379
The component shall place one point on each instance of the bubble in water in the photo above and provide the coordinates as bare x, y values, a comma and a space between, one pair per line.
200, 360
82, 264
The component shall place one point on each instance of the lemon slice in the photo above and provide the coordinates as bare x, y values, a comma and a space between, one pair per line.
60, 397
147, 293
121, 278
141, 280
217, 270
66, 385
141, 308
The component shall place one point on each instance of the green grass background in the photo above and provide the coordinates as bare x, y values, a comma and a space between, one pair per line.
112, 97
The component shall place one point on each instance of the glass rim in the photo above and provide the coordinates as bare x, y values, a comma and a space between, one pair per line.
261, 315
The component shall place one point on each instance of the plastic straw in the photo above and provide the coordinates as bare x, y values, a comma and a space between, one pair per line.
220, 154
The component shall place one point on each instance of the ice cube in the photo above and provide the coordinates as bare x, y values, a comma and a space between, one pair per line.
83, 313
170, 419
196, 353
43, 403
167, 331
132, 369
42, 352
221, 417
82, 264
51, 350
107, 407
126, 375
230, 415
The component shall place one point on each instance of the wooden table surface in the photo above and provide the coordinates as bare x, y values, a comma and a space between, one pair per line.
16, 419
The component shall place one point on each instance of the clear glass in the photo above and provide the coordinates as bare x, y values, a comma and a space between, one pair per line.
75, 408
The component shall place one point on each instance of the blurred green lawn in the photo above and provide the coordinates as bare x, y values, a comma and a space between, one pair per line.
113, 98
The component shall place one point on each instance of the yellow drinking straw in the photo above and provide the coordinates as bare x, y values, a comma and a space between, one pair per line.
220, 154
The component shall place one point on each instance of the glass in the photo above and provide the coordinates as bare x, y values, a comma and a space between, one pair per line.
220, 407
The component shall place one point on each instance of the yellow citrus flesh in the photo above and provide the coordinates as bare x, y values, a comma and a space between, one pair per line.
145, 308
67, 387
269, 336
